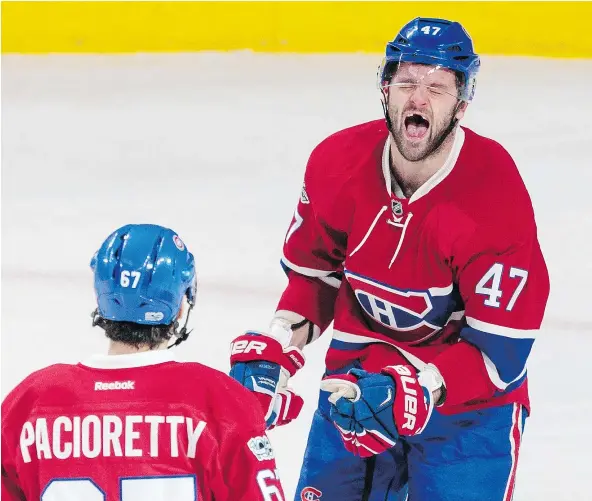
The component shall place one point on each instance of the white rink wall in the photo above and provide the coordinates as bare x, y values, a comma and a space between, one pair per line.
214, 146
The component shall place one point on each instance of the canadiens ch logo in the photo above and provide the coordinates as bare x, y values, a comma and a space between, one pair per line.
414, 314
310, 494
406, 313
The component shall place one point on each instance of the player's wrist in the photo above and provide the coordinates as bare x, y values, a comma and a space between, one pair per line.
292, 329
431, 379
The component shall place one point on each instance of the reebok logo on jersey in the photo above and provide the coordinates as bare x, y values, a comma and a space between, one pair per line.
115, 385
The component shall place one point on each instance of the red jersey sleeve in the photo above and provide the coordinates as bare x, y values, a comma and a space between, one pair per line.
10, 489
314, 246
250, 469
246, 459
504, 283
11, 414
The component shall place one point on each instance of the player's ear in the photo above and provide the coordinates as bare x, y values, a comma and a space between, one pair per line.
181, 310
461, 110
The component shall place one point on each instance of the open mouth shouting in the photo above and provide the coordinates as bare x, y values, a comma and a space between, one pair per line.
416, 126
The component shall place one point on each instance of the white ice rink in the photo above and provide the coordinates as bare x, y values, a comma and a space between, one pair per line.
215, 146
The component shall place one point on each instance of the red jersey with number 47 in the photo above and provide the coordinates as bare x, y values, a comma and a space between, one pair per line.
134, 428
452, 276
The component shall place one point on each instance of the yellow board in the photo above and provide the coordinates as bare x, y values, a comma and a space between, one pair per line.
551, 29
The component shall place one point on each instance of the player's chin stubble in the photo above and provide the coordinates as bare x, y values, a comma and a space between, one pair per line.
420, 150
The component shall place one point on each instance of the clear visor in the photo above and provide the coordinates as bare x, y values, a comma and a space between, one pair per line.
406, 77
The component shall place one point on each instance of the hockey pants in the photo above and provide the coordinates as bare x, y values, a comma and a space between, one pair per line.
465, 457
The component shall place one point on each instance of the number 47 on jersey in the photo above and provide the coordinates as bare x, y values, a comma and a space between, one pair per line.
490, 285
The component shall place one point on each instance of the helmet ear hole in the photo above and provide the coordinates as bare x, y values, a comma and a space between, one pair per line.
190, 292
386, 72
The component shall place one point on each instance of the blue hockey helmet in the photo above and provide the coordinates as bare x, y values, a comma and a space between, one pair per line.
435, 42
142, 272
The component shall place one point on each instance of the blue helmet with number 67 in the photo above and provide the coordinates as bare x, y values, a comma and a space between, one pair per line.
142, 272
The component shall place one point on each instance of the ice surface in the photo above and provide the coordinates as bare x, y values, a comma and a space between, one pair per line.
214, 146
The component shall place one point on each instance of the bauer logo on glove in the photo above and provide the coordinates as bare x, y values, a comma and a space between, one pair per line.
245, 346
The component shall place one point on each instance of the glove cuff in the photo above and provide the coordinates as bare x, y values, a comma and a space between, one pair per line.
294, 359
431, 379
252, 346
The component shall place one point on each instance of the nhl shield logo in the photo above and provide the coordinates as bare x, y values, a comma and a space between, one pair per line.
304, 196
397, 208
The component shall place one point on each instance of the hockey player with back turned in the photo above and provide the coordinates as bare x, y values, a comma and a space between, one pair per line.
135, 424
417, 237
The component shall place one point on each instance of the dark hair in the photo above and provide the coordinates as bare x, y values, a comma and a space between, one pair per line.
136, 334
460, 81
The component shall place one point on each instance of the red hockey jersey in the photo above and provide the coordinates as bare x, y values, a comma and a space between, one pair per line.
134, 428
452, 276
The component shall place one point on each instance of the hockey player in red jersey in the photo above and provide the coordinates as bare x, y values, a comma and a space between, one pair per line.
137, 425
417, 238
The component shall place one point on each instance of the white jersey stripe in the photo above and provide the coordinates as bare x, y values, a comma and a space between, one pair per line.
499, 330
309, 272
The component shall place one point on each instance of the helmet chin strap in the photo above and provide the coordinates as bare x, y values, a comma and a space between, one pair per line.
96, 317
442, 137
182, 334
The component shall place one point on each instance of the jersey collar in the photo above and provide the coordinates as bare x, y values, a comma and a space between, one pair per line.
142, 359
437, 178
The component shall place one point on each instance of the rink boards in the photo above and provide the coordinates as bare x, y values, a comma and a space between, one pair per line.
549, 29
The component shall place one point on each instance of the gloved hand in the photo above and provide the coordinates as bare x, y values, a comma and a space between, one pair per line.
263, 366
286, 407
372, 410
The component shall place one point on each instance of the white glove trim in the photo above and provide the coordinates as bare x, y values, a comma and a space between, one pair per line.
341, 388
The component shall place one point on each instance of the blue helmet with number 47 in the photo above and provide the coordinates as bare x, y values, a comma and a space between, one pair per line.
435, 42
142, 272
